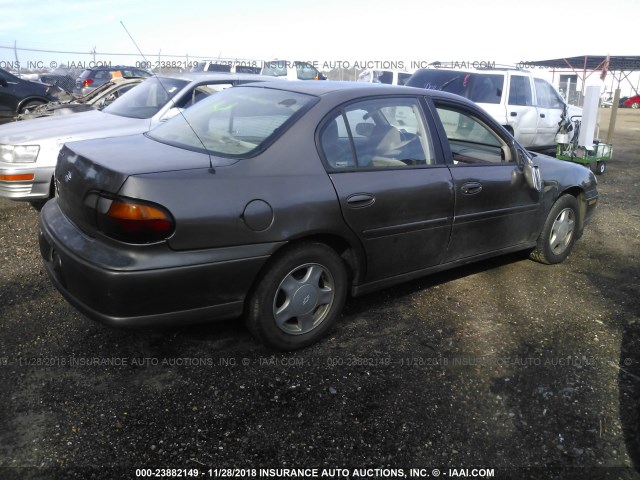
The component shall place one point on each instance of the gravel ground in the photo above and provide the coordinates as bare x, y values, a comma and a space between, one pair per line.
525, 370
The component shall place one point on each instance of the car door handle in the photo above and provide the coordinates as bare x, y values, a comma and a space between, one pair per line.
542, 115
471, 188
360, 200
514, 114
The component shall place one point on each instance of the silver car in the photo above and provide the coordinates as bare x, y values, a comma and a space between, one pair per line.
29, 150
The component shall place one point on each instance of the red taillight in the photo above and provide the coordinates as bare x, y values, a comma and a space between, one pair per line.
87, 82
133, 221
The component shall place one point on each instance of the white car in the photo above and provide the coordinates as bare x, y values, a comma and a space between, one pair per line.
29, 149
530, 108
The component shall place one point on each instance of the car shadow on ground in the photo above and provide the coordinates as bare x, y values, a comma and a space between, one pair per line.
615, 283
358, 305
629, 383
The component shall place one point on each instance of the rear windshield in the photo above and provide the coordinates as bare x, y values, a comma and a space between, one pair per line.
146, 99
479, 88
237, 122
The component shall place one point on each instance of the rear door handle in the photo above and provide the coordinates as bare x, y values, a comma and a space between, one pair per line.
542, 115
471, 188
360, 200
514, 114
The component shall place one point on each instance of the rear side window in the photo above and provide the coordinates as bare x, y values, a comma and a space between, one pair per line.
479, 88
377, 133
146, 99
237, 122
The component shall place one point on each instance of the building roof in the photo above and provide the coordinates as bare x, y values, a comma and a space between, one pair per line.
617, 63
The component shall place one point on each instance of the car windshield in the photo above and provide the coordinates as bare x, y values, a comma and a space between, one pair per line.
146, 99
479, 88
237, 122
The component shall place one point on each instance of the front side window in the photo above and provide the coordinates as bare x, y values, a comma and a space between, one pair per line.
146, 99
471, 141
305, 71
547, 96
200, 92
377, 133
237, 122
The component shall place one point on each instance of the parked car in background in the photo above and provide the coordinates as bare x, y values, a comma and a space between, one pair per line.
297, 194
92, 78
62, 77
229, 67
17, 94
284, 69
390, 77
29, 150
97, 99
530, 108
632, 102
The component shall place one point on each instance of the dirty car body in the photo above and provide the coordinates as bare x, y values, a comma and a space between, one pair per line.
275, 201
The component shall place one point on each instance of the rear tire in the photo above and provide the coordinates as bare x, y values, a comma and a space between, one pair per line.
298, 298
559, 232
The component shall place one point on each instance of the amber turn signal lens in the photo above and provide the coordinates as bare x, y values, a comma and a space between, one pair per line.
23, 177
134, 221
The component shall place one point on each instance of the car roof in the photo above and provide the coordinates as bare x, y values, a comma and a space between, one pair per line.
221, 76
353, 89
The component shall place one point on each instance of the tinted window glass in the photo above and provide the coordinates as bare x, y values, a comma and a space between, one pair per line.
480, 88
471, 141
547, 96
306, 71
236, 122
146, 99
403, 78
386, 133
520, 91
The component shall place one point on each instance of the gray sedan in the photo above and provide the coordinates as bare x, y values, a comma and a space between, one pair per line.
276, 201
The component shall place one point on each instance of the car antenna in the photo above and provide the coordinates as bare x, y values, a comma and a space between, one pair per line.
211, 169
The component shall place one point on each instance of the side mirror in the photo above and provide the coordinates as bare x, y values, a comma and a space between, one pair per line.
531, 171
533, 177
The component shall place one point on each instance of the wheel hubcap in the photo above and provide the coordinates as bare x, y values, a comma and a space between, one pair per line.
562, 231
303, 299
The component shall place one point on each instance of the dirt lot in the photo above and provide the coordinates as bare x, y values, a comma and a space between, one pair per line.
522, 369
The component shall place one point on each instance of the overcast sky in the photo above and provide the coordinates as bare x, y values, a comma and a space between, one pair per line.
498, 31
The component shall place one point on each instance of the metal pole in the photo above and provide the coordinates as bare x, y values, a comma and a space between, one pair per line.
614, 114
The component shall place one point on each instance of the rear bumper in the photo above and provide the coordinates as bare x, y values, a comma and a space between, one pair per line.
146, 285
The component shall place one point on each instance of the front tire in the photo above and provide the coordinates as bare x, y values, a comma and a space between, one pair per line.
298, 298
559, 232
31, 104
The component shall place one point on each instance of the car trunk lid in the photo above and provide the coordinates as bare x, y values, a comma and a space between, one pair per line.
91, 168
